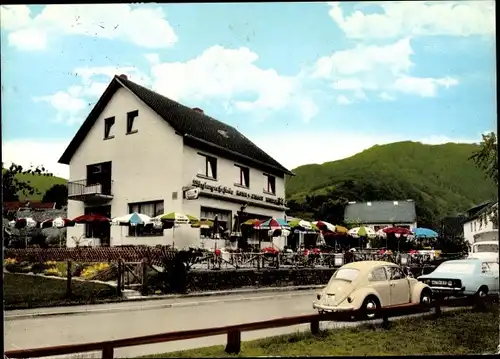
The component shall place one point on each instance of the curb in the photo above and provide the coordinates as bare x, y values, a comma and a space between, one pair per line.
170, 305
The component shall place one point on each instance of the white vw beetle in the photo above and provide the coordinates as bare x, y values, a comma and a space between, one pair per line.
367, 286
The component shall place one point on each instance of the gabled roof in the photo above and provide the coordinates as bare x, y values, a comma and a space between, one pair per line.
383, 212
193, 125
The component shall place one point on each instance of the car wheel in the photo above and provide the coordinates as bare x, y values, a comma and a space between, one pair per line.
426, 298
481, 298
370, 308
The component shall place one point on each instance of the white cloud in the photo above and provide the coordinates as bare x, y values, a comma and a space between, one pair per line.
228, 74
417, 18
146, 26
377, 68
153, 59
385, 96
74, 104
343, 100
36, 152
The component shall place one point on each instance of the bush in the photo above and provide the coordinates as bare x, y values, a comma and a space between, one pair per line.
38, 267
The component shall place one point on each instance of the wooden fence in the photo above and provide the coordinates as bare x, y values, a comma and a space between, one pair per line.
154, 255
233, 332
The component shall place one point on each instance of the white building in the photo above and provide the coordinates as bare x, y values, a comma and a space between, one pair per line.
140, 151
479, 221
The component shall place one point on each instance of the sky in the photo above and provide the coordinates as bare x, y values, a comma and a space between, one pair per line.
307, 82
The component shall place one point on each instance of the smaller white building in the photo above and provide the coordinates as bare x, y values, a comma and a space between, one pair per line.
480, 220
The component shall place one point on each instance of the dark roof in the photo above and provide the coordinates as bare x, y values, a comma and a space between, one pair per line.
14, 206
484, 208
195, 126
473, 211
381, 212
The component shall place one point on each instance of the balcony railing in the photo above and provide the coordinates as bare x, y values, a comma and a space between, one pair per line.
80, 190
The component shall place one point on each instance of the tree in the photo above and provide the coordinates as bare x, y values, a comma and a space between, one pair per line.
13, 185
58, 193
486, 157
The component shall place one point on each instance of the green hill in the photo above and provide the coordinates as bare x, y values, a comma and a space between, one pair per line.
440, 179
41, 183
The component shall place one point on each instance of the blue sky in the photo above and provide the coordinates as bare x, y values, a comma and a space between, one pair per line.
308, 82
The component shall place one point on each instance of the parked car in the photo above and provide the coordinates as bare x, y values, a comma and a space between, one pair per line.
472, 277
367, 286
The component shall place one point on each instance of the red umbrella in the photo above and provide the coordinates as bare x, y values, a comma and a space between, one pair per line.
398, 230
91, 218
270, 250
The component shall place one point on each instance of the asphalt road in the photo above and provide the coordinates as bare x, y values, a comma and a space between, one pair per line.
122, 320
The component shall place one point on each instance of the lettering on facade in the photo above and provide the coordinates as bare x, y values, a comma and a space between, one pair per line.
228, 190
205, 185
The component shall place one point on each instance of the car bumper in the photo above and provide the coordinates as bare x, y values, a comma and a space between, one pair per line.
333, 309
447, 290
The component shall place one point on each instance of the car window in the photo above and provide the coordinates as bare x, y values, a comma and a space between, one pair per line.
395, 273
493, 267
377, 275
348, 274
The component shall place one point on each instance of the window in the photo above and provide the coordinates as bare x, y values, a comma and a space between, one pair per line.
377, 275
244, 176
208, 167
270, 185
475, 226
130, 121
108, 124
456, 267
152, 209
471, 227
396, 273
347, 274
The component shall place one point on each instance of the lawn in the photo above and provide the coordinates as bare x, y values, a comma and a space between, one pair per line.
24, 291
458, 333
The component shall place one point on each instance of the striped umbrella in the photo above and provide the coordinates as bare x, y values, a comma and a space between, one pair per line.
58, 222
302, 225
251, 222
324, 226
178, 218
24, 222
362, 231
273, 224
205, 224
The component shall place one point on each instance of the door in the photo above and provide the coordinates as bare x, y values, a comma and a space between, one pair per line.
99, 230
399, 286
379, 281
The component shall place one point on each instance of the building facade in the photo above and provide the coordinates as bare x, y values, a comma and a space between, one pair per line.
141, 152
381, 214
480, 220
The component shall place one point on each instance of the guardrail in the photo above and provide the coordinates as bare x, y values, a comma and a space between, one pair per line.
233, 333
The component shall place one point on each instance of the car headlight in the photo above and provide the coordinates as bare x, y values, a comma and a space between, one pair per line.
450, 283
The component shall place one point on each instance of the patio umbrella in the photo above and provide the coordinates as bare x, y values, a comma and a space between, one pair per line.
251, 222
24, 222
301, 224
381, 233
178, 218
58, 222
91, 219
205, 224
273, 223
132, 219
324, 226
424, 233
398, 231
362, 231
341, 230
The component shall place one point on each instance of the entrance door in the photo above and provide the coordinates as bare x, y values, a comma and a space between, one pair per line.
399, 286
99, 230
100, 173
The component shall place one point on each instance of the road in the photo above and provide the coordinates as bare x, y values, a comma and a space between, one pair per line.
122, 320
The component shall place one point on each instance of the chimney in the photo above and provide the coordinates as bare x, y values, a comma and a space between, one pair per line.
123, 76
197, 109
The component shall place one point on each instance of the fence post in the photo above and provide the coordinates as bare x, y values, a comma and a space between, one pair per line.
144, 272
315, 326
107, 352
68, 279
233, 345
119, 279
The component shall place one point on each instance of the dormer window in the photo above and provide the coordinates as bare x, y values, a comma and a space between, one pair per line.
270, 184
130, 121
108, 124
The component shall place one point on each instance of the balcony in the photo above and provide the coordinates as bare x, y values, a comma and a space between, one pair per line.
94, 192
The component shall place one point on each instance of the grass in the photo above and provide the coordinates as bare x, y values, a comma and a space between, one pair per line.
458, 333
24, 291
41, 183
